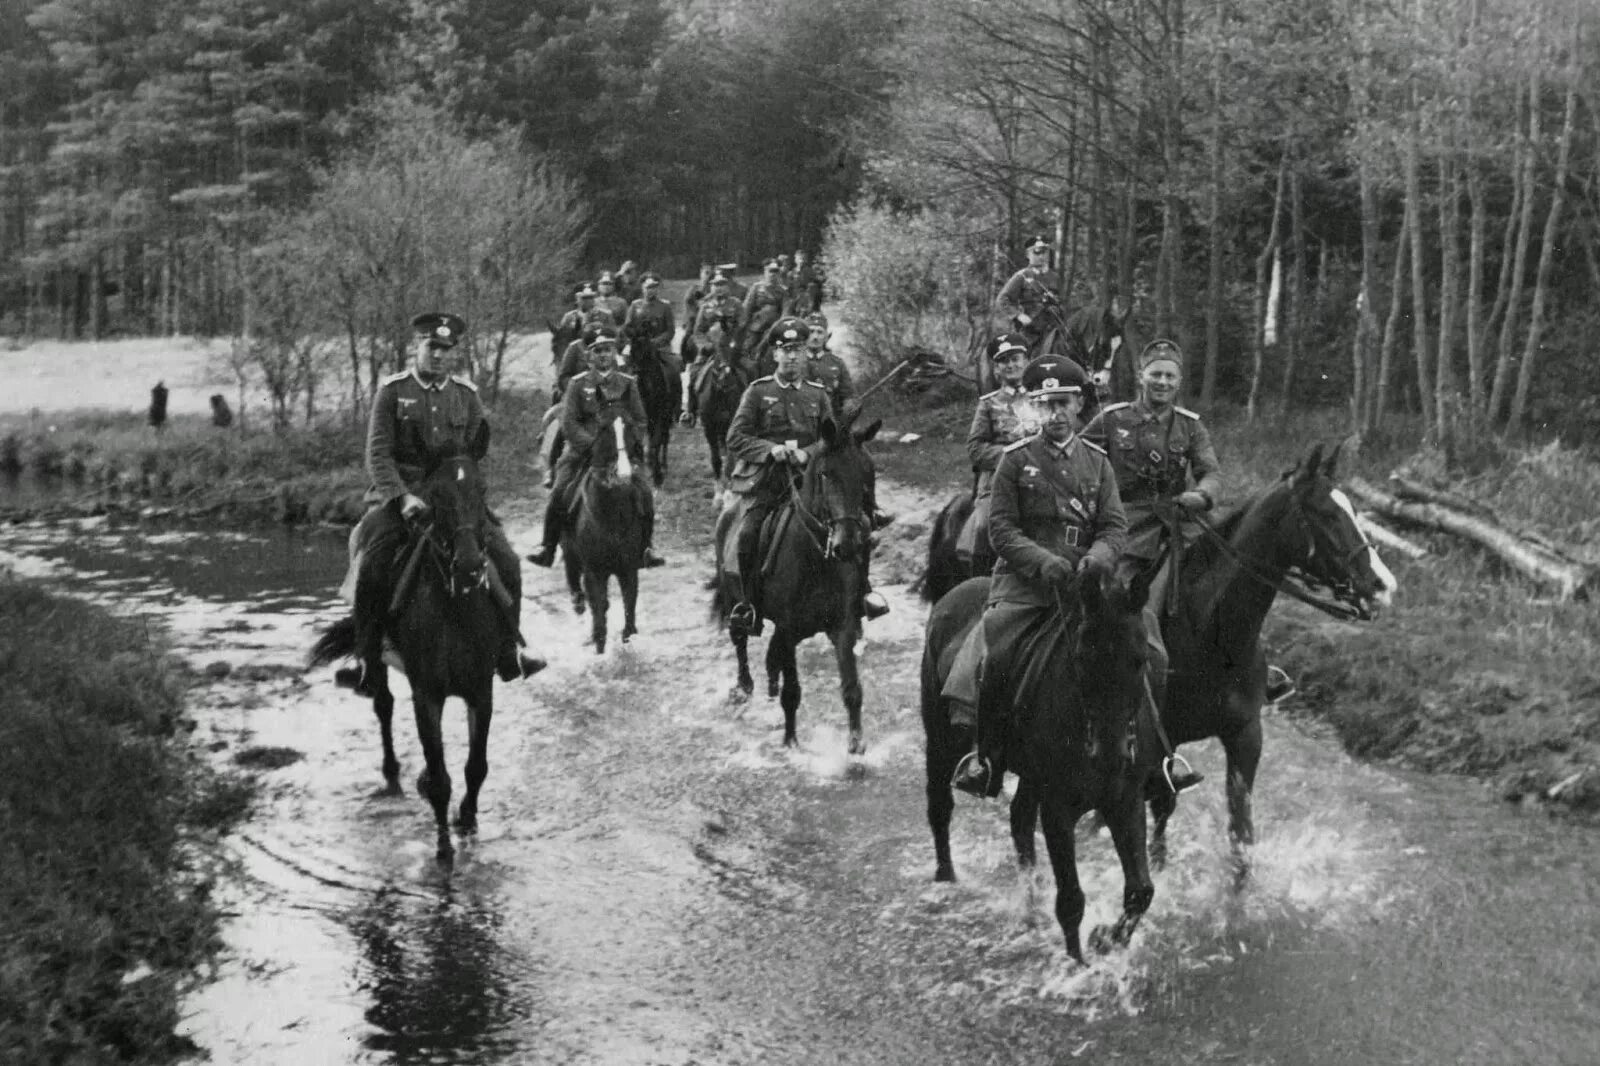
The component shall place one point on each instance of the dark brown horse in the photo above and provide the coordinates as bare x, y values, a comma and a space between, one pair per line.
947, 567
721, 385
661, 390
606, 536
1078, 743
1301, 527
445, 634
816, 578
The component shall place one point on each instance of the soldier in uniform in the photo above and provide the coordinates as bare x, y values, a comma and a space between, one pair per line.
1002, 417
592, 399
765, 303
719, 309
628, 282
736, 288
418, 416
573, 321
1055, 513
807, 285
824, 367
777, 428
1029, 297
1157, 448
609, 301
651, 317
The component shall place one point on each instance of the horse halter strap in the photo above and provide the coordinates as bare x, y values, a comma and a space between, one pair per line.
443, 554
1337, 609
810, 518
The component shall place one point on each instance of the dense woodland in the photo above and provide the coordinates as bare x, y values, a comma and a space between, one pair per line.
1388, 204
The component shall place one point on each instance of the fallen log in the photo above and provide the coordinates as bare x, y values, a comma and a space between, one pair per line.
1568, 579
1416, 490
1388, 538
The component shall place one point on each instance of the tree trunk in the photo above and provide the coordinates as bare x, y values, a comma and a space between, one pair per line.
1419, 281
1296, 289
1263, 264
1208, 380
1508, 328
1444, 378
1362, 370
1391, 325
1552, 235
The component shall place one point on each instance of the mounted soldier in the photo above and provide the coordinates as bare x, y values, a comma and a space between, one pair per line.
765, 303
777, 429
1001, 418
1031, 298
418, 417
1055, 513
592, 400
650, 318
610, 301
1160, 452
826, 368
572, 323
716, 327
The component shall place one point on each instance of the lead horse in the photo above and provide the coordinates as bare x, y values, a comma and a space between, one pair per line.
818, 570
1079, 743
661, 392
445, 633
605, 538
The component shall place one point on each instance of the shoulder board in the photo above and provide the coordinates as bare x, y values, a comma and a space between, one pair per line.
1024, 442
986, 395
1186, 412
464, 381
392, 378
814, 383
1108, 408
769, 377
1091, 445
624, 375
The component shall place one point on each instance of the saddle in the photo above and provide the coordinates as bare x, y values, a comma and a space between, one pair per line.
773, 528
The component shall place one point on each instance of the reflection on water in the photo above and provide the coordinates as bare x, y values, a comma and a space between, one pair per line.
442, 983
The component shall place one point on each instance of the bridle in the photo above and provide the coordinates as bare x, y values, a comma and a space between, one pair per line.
813, 523
1347, 604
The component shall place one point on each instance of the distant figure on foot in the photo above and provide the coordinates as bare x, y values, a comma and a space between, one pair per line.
221, 413
158, 406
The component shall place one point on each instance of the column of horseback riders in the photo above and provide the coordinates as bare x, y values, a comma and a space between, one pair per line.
1066, 485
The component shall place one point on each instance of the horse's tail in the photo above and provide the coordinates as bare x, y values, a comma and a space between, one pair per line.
336, 642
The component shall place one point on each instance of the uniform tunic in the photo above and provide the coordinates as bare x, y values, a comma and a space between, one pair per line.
774, 412
1051, 501
1002, 417
652, 318
593, 398
1027, 292
413, 424
724, 309
615, 306
829, 371
1154, 457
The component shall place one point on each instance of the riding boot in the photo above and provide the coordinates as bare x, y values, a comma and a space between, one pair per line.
1280, 686
372, 595
512, 665
743, 618
546, 555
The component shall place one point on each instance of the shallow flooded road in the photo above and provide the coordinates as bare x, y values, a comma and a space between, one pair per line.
658, 881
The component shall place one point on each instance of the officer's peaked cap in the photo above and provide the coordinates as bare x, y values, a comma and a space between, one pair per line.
719, 276
442, 330
790, 332
586, 291
602, 335
817, 320
1161, 349
1009, 344
1036, 242
1053, 375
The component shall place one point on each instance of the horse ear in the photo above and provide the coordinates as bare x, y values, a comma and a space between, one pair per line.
871, 430
1332, 461
1308, 470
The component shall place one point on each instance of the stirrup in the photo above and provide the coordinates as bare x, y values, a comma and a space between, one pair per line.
516, 666
742, 619
1280, 686
874, 606
972, 775
545, 556
1182, 780
651, 559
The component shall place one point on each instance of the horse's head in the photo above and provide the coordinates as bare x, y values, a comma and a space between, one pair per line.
1332, 550
834, 487
457, 513
1110, 648
605, 458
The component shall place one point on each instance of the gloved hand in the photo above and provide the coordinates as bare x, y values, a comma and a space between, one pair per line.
1193, 500
779, 453
411, 506
1056, 572
799, 456
1093, 564
1024, 319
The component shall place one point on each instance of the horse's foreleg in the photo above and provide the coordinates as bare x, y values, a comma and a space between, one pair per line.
1059, 819
594, 588
1162, 806
569, 562
789, 695
741, 651
942, 756
383, 707
433, 784
1243, 748
844, 653
1024, 820
628, 585
774, 663
1125, 818
479, 712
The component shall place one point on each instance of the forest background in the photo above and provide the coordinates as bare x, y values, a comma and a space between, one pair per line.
1386, 206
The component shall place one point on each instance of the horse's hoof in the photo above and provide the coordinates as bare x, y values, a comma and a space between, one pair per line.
600, 646
738, 695
630, 631
446, 857
790, 740
467, 825
945, 873
578, 605
390, 789
1100, 940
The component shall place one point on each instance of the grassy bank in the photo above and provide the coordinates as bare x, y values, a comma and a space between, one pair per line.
102, 816
98, 461
1473, 671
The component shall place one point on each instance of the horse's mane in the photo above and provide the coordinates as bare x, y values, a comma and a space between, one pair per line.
1205, 552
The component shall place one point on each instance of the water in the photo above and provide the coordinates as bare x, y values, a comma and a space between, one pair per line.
658, 881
